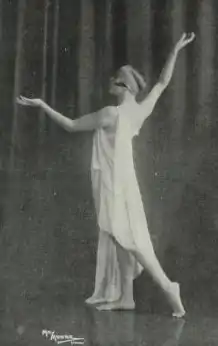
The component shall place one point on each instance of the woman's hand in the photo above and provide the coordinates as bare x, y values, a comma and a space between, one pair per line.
184, 41
24, 101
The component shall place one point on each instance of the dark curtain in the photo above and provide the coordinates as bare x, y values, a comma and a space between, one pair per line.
65, 51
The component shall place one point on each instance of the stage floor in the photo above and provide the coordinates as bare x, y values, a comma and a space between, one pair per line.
25, 320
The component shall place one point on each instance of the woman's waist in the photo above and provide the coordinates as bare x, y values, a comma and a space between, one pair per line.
121, 181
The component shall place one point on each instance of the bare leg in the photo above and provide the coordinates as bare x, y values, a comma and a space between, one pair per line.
171, 289
151, 264
125, 302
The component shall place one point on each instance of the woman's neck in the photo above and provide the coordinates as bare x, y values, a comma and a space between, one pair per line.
126, 97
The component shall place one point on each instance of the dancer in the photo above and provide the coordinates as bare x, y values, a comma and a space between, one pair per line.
124, 246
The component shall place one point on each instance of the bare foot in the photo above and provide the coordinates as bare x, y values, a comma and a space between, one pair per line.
175, 300
118, 305
95, 300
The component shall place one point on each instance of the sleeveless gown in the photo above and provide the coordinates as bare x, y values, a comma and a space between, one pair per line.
118, 202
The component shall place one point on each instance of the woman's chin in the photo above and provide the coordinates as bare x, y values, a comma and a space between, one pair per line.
113, 92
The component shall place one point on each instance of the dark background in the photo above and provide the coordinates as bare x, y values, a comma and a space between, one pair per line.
65, 51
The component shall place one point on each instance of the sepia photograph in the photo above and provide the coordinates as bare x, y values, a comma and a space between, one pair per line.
109, 172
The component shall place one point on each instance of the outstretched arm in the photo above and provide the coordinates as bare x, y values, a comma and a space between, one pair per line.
87, 122
149, 102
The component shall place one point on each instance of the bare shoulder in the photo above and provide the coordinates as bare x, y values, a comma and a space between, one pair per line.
109, 110
108, 116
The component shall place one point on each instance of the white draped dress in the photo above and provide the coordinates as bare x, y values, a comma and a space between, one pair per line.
118, 202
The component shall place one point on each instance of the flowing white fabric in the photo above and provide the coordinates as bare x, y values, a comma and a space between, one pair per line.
118, 201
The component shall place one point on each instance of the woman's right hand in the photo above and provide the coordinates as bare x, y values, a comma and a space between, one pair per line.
24, 101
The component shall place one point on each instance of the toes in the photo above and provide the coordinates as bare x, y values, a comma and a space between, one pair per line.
179, 314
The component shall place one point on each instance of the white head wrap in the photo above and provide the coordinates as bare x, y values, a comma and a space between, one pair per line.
132, 79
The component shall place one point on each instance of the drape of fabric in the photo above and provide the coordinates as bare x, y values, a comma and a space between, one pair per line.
119, 207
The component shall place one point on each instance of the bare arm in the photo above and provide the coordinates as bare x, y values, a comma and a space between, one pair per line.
149, 102
87, 122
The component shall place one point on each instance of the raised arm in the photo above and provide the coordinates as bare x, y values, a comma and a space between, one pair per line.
149, 102
87, 122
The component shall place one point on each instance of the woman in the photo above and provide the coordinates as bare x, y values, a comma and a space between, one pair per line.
124, 247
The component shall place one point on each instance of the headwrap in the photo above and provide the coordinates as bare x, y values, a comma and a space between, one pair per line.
132, 79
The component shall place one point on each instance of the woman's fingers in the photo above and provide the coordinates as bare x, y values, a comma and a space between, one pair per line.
192, 36
20, 100
189, 38
24, 101
185, 39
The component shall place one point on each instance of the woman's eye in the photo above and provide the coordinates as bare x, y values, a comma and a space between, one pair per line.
121, 84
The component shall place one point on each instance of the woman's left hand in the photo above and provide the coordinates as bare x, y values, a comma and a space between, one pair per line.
184, 40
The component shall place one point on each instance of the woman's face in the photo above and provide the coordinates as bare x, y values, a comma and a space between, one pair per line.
117, 85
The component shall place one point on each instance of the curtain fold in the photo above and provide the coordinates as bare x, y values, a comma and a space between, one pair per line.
206, 72
179, 81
